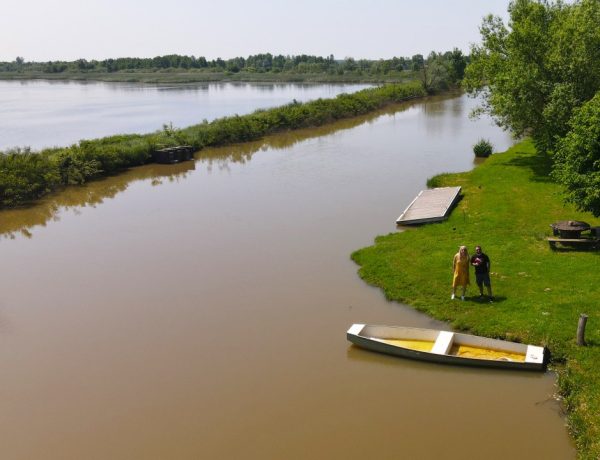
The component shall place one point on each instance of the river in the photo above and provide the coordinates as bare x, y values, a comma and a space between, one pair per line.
199, 310
43, 113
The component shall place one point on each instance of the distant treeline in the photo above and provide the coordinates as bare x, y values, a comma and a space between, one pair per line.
454, 60
26, 176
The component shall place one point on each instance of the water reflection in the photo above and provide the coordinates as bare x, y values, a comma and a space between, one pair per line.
48, 113
23, 220
182, 88
241, 153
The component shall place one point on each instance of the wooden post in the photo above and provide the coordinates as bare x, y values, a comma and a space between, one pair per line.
581, 330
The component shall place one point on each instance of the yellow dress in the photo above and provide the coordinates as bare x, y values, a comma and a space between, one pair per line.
461, 271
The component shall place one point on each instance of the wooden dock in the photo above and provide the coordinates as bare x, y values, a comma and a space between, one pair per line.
431, 205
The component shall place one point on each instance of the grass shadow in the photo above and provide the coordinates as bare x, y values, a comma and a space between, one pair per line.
576, 248
485, 299
539, 164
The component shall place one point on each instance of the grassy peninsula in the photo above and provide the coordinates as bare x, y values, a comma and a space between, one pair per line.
183, 76
509, 202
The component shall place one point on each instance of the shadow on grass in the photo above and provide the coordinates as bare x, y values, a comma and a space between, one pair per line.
577, 248
539, 164
485, 299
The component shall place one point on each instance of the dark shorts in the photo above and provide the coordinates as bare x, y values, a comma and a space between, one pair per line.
483, 279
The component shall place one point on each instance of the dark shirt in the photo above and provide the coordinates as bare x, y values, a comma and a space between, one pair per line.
484, 266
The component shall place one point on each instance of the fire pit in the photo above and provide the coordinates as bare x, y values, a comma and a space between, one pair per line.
569, 228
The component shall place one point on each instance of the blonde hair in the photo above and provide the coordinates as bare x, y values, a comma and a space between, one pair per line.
463, 250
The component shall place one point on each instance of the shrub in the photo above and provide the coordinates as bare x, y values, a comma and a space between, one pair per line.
577, 158
25, 176
483, 148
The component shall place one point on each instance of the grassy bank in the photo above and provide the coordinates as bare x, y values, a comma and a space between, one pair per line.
168, 76
26, 176
508, 205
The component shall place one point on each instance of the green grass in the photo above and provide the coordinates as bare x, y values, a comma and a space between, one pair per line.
508, 204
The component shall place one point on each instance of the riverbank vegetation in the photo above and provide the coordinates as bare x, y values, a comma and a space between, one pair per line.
509, 202
438, 70
23, 220
26, 176
483, 148
540, 76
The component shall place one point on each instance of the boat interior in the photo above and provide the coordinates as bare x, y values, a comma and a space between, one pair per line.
461, 345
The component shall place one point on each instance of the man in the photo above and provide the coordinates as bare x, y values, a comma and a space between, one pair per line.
481, 262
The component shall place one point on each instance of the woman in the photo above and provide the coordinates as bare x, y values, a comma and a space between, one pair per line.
460, 267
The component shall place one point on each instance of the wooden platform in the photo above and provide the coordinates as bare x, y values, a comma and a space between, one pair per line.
431, 205
175, 154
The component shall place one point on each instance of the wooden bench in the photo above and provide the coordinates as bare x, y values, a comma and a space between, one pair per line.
590, 242
443, 343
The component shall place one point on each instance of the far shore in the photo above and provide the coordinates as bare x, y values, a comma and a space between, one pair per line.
172, 77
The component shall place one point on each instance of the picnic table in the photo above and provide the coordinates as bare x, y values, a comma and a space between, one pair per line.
568, 233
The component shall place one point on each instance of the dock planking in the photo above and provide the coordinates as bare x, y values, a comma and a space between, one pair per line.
431, 205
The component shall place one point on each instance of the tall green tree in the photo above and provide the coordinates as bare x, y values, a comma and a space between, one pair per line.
434, 72
577, 158
458, 64
509, 67
536, 71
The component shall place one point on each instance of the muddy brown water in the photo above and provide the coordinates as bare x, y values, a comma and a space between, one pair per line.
199, 310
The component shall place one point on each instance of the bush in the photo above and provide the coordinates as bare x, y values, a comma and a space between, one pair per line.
25, 176
483, 148
577, 158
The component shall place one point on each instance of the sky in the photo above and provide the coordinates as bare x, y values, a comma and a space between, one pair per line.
42, 30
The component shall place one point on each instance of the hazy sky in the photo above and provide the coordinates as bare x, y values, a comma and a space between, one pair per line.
42, 30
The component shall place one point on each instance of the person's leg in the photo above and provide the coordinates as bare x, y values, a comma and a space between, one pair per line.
464, 291
488, 286
479, 284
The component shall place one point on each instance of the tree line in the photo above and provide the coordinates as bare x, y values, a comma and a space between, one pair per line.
540, 76
453, 60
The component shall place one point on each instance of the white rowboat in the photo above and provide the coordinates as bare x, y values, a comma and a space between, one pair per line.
447, 347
